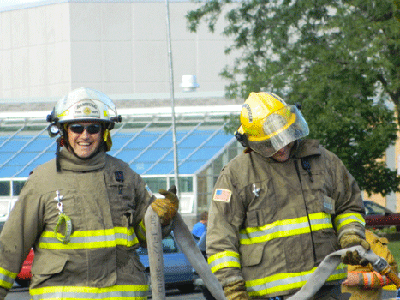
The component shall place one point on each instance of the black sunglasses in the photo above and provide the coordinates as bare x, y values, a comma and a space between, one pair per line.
91, 129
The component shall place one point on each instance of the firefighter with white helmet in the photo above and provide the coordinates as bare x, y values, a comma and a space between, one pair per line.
82, 212
280, 207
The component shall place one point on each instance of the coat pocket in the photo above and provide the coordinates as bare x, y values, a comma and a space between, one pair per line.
48, 264
252, 254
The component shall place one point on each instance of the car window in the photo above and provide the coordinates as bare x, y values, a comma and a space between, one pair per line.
168, 243
372, 208
1, 226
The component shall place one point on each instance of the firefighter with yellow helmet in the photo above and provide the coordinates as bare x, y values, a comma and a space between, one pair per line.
82, 212
280, 207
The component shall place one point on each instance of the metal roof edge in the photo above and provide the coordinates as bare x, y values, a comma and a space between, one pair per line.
135, 112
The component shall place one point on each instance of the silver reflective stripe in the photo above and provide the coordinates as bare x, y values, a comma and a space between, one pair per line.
324, 221
8, 279
82, 240
94, 239
120, 235
286, 281
274, 230
369, 279
224, 260
344, 219
285, 228
126, 295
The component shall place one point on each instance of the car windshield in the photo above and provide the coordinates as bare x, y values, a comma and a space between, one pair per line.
372, 208
168, 243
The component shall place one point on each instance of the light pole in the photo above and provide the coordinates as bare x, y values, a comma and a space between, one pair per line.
171, 80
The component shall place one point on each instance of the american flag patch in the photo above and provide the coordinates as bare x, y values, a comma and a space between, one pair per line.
222, 195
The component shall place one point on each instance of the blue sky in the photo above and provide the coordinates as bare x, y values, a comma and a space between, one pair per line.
7, 3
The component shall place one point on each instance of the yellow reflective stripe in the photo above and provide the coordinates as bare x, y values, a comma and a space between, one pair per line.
7, 278
226, 259
142, 231
125, 236
126, 292
91, 239
285, 228
287, 281
344, 219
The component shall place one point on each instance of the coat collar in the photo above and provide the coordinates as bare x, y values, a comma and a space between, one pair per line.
70, 162
305, 148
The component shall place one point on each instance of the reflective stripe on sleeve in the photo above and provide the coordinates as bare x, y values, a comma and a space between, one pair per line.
126, 292
7, 278
141, 231
226, 259
285, 228
287, 281
91, 239
344, 219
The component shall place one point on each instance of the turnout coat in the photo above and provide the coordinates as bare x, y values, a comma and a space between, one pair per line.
271, 223
105, 201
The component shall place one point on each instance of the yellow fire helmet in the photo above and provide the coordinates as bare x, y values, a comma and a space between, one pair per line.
268, 124
84, 105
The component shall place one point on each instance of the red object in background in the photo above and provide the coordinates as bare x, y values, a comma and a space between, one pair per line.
383, 220
378, 216
25, 275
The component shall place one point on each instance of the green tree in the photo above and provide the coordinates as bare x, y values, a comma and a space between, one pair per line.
339, 59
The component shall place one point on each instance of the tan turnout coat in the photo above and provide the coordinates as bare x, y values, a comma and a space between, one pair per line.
272, 223
105, 201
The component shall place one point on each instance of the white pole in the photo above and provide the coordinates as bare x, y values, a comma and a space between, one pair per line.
176, 171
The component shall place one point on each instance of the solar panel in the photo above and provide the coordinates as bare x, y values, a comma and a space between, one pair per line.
150, 152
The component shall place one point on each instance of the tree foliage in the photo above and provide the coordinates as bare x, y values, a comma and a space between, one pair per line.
339, 59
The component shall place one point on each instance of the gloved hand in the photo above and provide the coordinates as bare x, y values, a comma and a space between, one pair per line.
352, 257
166, 208
236, 291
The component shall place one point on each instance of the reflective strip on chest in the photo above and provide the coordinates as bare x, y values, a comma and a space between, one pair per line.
287, 281
7, 278
126, 292
344, 219
226, 259
285, 228
91, 239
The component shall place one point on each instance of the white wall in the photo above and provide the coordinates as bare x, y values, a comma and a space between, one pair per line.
118, 48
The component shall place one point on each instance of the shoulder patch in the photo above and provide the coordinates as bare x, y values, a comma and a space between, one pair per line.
222, 195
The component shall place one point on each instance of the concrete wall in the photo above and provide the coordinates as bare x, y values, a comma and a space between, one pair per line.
118, 48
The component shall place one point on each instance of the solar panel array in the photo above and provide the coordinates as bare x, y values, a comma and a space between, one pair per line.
148, 150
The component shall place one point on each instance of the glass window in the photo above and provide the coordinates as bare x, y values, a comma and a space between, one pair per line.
156, 183
4, 207
17, 186
185, 184
5, 188
168, 243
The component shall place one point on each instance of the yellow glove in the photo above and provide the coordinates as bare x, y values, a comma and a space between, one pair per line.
166, 208
236, 291
352, 257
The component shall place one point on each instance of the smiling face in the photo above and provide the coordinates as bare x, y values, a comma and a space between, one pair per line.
84, 143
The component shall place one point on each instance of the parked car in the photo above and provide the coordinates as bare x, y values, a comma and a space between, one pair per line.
378, 216
178, 272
